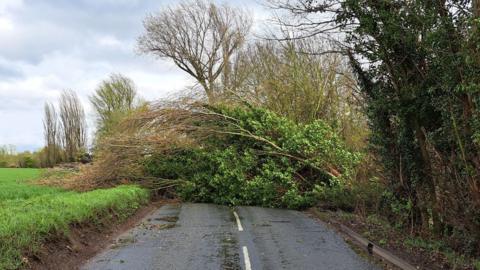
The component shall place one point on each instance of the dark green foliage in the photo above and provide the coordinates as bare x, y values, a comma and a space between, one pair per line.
422, 99
423, 94
260, 158
418, 66
27, 162
351, 195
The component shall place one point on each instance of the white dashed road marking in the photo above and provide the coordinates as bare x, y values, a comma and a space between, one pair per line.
246, 257
239, 224
248, 265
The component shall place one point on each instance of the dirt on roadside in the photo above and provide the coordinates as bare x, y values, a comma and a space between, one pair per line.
62, 252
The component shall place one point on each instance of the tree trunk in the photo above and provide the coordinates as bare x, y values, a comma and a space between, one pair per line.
476, 8
428, 177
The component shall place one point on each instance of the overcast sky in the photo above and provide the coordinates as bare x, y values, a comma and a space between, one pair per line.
50, 45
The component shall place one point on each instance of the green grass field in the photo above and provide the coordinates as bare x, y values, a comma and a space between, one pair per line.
30, 213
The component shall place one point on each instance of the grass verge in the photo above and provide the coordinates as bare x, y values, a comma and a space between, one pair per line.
29, 214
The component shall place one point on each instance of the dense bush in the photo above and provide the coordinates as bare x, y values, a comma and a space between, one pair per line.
259, 159
27, 162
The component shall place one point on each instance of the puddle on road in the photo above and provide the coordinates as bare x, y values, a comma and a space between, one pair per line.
124, 241
168, 219
280, 221
163, 226
150, 224
262, 225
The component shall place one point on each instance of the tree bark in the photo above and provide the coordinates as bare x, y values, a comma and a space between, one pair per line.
428, 176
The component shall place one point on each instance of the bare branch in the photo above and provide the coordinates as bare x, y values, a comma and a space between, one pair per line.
199, 37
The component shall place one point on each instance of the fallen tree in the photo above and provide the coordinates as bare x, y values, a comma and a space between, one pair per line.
226, 154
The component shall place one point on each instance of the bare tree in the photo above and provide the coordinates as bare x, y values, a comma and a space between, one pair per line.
200, 37
50, 131
112, 100
73, 125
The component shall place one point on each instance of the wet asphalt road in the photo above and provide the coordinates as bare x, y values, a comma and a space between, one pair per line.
205, 236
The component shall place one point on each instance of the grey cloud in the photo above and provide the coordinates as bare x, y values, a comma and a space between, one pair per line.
59, 44
45, 26
8, 72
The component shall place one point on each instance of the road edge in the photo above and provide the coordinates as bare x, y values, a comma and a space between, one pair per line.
365, 246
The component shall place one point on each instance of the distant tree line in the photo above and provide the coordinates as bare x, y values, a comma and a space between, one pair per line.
10, 158
65, 136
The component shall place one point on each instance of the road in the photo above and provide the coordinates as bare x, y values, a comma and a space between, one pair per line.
205, 236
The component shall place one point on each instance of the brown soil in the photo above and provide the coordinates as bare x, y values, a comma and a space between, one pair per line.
83, 242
